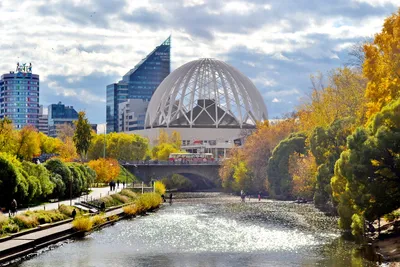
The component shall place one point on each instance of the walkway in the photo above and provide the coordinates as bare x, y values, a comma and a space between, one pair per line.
28, 243
94, 194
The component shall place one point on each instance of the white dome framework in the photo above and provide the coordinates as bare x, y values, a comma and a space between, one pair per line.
206, 93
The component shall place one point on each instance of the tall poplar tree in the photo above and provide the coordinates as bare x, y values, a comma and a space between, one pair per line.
82, 135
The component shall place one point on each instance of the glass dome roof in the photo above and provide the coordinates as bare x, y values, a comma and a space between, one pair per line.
206, 93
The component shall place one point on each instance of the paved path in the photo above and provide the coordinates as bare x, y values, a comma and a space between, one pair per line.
95, 193
29, 240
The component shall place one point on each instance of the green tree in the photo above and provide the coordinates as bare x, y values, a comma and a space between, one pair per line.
371, 165
12, 183
326, 144
43, 176
7, 136
82, 135
279, 178
56, 166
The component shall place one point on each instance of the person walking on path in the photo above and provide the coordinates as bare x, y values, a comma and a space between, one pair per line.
259, 196
73, 214
117, 183
110, 184
170, 198
13, 207
123, 184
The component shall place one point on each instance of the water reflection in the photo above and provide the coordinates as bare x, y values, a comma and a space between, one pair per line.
216, 231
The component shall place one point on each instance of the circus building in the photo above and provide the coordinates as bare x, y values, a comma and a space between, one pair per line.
209, 103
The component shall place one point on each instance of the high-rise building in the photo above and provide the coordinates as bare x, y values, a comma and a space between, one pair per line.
43, 126
138, 83
132, 114
60, 114
19, 96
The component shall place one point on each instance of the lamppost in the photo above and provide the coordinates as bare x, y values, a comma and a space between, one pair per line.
70, 190
105, 141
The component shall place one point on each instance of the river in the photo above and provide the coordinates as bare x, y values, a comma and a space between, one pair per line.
212, 229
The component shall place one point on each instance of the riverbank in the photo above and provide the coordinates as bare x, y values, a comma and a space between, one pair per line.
31, 241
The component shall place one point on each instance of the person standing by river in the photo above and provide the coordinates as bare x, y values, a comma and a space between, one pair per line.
170, 198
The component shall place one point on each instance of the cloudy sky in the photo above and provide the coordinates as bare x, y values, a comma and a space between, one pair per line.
79, 46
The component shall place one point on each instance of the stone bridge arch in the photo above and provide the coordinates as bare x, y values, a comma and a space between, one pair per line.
146, 172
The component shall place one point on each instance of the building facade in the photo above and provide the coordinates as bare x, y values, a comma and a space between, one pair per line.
138, 83
132, 114
60, 114
19, 96
43, 126
210, 103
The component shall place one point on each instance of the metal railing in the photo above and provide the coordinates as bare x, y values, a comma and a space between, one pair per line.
166, 162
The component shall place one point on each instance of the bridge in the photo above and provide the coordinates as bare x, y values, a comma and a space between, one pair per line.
207, 172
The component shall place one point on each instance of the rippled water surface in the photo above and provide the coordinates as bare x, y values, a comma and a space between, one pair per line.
212, 230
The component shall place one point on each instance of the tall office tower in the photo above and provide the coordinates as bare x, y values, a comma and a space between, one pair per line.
19, 96
43, 121
138, 83
60, 114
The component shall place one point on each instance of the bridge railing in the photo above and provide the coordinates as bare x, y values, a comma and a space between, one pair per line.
166, 162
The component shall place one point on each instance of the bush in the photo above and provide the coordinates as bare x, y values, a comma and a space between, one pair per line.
67, 210
10, 228
390, 217
130, 210
121, 198
148, 201
82, 224
128, 193
3, 220
98, 220
25, 221
47, 216
160, 187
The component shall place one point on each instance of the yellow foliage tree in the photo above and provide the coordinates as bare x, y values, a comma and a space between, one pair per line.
382, 65
176, 140
342, 97
106, 169
67, 150
303, 169
28, 143
8, 136
162, 137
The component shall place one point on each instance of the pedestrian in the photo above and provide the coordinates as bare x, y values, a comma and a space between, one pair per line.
103, 206
123, 184
163, 197
110, 184
73, 214
13, 207
170, 198
259, 196
117, 183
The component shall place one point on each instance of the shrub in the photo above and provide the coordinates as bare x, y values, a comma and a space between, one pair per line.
10, 228
98, 220
130, 210
121, 198
47, 216
82, 224
128, 193
25, 221
395, 215
3, 220
160, 187
148, 201
67, 210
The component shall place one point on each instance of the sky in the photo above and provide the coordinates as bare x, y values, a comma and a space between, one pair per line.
80, 46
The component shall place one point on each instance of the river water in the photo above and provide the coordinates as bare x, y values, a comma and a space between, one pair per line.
212, 229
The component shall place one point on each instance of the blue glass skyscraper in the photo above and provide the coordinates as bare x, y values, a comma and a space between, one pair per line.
138, 83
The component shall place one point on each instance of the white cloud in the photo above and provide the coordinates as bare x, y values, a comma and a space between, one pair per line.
275, 100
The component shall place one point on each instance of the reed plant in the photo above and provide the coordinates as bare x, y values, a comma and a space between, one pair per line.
129, 193
121, 198
25, 221
98, 220
82, 223
130, 210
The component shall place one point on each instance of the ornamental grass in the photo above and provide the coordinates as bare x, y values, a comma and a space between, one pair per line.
82, 223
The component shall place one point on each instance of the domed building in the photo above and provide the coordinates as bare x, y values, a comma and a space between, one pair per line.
209, 102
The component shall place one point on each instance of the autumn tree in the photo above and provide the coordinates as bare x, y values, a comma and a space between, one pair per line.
28, 143
382, 65
49, 145
65, 131
343, 96
83, 134
7, 136
67, 150
302, 168
175, 140
106, 169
